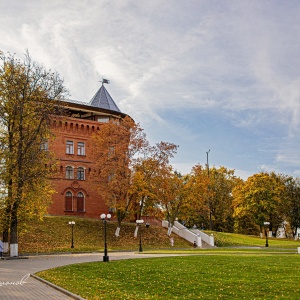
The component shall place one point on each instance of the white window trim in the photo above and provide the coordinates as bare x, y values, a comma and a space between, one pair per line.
83, 173
72, 170
69, 147
81, 148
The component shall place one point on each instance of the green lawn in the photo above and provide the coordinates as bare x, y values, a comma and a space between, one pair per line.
224, 239
257, 275
53, 234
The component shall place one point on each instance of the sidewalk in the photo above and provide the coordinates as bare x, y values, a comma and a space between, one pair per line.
16, 282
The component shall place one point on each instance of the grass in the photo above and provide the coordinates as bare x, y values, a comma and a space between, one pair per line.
223, 239
53, 235
241, 267
222, 276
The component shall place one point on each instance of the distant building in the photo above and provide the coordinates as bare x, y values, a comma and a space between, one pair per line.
281, 232
76, 191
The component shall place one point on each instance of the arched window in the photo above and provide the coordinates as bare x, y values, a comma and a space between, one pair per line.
80, 173
69, 172
80, 202
69, 201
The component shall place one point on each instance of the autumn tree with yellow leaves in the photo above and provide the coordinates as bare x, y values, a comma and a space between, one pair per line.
148, 169
291, 204
170, 195
222, 181
116, 146
258, 200
196, 212
126, 167
29, 94
209, 194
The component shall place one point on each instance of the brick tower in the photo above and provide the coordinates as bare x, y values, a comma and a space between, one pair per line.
76, 190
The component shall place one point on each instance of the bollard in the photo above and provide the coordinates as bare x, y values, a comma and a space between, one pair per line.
298, 250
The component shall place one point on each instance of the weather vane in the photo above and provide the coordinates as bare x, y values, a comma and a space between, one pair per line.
104, 81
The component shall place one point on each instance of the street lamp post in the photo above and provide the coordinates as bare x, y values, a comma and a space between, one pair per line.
208, 189
72, 223
104, 218
267, 224
139, 223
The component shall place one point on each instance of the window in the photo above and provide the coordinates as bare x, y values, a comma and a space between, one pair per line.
80, 148
69, 201
80, 202
69, 172
103, 119
111, 151
111, 177
80, 173
45, 146
70, 147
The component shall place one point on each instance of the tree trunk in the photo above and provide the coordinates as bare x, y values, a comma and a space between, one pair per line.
117, 233
14, 232
261, 232
296, 236
5, 241
170, 228
6, 226
136, 231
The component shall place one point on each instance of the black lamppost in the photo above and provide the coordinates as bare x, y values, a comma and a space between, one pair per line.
139, 223
72, 223
267, 224
104, 218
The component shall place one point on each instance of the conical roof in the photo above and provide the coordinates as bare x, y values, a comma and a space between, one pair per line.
102, 99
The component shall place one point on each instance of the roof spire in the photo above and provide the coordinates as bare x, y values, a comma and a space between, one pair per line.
102, 98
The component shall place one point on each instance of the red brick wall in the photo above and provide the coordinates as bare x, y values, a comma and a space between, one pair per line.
76, 130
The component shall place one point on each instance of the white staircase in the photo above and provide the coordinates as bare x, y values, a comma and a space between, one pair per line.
194, 236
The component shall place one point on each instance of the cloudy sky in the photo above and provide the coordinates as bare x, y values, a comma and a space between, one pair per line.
206, 75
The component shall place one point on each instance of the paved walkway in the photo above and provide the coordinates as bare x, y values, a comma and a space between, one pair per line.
16, 282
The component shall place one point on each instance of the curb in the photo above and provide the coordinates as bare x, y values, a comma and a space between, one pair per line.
74, 296
13, 257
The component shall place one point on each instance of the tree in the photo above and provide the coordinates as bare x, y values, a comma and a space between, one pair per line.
170, 195
244, 222
260, 198
210, 198
221, 181
149, 168
126, 167
116, 146
196, 211
291, 205
29, 95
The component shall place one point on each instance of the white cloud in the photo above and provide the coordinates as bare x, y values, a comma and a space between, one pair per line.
238, 59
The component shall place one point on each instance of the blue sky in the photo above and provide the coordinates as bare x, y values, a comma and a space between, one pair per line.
203, 74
